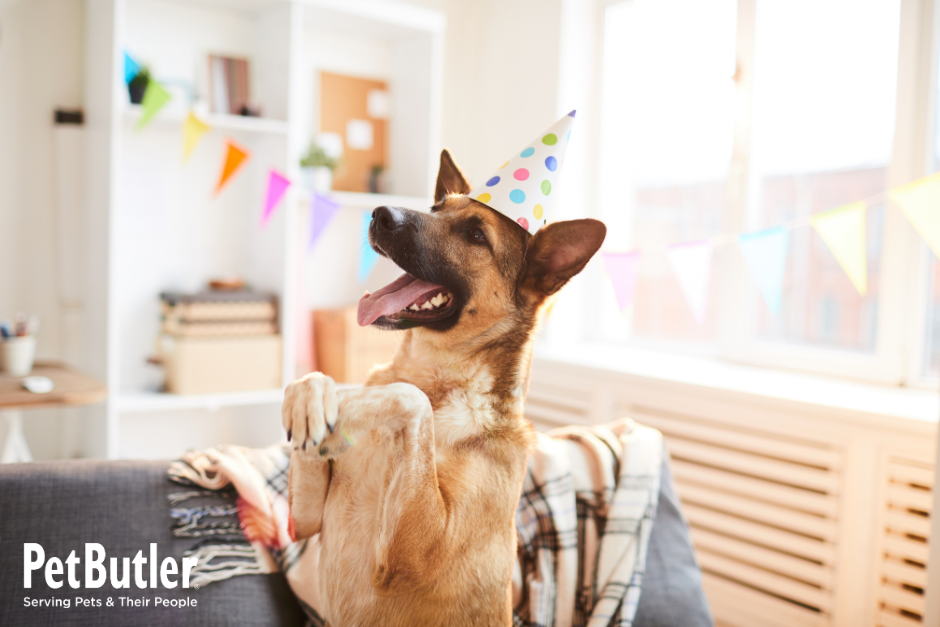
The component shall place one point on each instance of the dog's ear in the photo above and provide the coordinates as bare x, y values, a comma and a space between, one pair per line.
450, 179
558, 251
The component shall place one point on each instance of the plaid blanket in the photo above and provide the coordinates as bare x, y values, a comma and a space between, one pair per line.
583, 521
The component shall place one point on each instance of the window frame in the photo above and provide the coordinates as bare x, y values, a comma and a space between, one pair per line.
900, 341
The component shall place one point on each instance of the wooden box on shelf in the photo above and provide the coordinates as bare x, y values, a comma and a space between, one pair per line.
346, 351
209, 365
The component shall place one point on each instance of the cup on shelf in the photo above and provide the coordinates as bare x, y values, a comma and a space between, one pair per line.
17, 355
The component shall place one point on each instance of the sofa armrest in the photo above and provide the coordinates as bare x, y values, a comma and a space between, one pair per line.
123, 506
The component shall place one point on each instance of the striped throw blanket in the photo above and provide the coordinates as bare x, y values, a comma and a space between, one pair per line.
583, 522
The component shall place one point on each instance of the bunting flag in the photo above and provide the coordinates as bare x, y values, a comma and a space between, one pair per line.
367, 256
920, 202
131, 68
766, 255
622, 270
193, 130
322, 212
692, 263
235, 156
843, 230
277, 187
155, 98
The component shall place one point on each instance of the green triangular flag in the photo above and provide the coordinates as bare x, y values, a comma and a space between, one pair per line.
155, 98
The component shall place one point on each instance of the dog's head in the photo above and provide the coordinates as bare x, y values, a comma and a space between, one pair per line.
469, 268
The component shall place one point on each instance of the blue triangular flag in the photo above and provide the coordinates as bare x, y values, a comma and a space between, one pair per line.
367, 256
766, 255
131, 68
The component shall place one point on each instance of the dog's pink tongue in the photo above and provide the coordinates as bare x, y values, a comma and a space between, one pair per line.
392, 298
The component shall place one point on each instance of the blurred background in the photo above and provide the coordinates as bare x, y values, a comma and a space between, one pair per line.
184, 188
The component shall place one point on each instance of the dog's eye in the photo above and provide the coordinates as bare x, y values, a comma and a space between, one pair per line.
477, 236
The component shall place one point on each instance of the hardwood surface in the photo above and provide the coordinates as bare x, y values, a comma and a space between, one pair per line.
71, 388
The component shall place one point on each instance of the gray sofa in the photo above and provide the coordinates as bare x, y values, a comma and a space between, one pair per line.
123, 505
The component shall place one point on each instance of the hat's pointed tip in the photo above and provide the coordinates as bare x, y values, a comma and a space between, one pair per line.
573, 111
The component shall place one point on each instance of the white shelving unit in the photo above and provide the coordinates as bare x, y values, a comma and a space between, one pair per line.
219, 121
155, 224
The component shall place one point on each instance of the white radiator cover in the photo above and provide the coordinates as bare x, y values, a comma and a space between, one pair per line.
800, 514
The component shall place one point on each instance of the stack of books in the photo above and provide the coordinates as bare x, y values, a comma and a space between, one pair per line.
219, 341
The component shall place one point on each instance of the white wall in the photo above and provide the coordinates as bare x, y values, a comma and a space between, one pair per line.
41, 68
500, 78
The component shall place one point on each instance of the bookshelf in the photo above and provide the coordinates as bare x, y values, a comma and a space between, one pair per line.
153, 223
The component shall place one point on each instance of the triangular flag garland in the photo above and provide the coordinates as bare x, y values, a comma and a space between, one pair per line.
692, 264
235, 157
920, 202
155, 98
622, 270
277, 187
193, 131
766, 255
843, 230
322, 212
131, 68
367, 256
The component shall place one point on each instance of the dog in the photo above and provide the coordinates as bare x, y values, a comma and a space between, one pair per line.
412, 481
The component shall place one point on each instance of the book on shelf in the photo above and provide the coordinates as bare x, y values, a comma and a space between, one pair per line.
219, 341
228, 77
206, 307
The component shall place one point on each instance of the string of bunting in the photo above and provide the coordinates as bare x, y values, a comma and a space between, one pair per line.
765, 251
156, 97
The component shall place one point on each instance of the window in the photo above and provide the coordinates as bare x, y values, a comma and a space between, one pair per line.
668, 115
721, 117
822, 131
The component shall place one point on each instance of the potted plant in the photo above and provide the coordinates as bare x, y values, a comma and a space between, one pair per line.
324, 155
138, 85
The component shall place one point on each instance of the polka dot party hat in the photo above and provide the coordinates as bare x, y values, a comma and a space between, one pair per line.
523, 188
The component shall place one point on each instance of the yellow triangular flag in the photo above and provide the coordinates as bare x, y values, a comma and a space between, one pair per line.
920, 202
193, 130
155, 98
843, 230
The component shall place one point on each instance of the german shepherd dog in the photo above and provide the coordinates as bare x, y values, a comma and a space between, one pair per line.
412, 481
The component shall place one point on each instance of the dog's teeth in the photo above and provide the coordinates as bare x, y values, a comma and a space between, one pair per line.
437, 300
367, 293
445, 297
413, 308
427, 305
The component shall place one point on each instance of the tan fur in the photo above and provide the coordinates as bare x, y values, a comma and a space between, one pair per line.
412, 481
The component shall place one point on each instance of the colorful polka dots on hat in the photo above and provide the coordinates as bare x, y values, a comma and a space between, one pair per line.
522, 187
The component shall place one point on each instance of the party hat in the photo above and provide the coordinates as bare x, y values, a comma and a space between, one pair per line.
523, 188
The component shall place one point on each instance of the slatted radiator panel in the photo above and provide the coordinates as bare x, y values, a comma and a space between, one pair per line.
552, 406
764, 516
903, 573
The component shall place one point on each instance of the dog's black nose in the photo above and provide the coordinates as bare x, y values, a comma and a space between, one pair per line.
388, 218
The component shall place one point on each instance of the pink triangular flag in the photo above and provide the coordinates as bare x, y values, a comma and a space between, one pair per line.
322, 211
622, 269
692, 263
277, 186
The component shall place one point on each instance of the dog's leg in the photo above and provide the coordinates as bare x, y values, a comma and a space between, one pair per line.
413, 514
411, 545
308, 412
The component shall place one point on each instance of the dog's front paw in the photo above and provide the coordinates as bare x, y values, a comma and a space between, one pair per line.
309, 411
